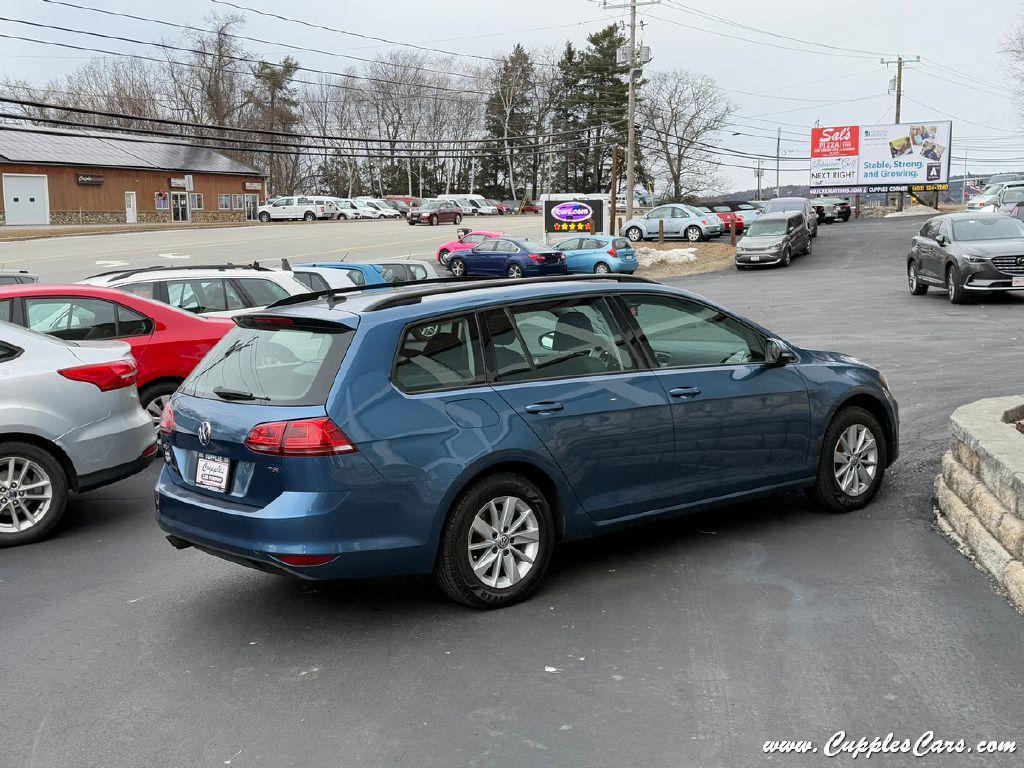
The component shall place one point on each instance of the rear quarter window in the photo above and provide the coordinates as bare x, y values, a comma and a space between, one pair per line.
276, 367
438, 355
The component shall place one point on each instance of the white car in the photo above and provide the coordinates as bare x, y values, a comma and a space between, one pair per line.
317, 278
380, 207
479, 202
219, 290
466, 207
298, 207
326, 207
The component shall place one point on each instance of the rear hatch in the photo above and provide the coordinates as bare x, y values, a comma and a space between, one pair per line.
251, 423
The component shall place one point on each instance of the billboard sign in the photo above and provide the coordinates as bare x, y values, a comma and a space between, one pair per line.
563, 217
906, 157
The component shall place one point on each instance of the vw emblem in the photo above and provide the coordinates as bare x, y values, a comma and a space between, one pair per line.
205, 433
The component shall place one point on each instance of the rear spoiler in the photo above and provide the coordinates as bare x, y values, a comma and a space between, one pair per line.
269, 321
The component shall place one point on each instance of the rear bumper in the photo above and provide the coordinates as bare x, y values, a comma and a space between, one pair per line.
113, 474
385, 531
537, 270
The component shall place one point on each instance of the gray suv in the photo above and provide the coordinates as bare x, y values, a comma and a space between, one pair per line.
775, 238
70, 420
801, 204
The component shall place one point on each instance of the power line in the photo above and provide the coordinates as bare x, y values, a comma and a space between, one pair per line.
267, 132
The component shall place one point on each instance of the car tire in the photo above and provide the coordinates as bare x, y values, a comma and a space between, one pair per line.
486, 506
442, 257
264, 217
828, 491
601, 268
154, 397
917, 288
693, 234
634, 234
956, 291
309, 216
514, 271
787, 257
458, 267
42, 467
458, 219
433, 220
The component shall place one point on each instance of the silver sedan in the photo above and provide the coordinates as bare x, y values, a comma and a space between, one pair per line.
70, 421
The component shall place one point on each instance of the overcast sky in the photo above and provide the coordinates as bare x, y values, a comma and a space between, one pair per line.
771, 81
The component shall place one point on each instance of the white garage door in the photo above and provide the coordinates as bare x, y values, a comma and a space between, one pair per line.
25, 199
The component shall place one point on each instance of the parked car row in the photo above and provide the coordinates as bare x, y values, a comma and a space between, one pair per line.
315, 207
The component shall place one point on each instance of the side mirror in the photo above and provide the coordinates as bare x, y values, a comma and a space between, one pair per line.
941, 240
777, 353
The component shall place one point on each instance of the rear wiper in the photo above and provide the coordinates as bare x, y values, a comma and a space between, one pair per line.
235, 394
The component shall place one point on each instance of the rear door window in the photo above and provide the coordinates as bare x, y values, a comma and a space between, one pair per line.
197, 295
146, 290
438, 355
287, 366
312, 280
72, 319
131, 323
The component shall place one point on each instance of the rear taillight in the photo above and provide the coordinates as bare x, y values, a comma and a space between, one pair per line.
105, 376
167, 420
303, 437
536, 257
705, 222
612, 253
305, 561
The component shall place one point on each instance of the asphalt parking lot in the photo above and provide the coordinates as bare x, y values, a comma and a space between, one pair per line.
73, 258
688, 643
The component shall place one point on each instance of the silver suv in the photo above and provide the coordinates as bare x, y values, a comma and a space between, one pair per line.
70, 421
801, 204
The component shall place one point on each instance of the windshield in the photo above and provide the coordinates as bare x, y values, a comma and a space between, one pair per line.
761, 228
995, 228
781, 206
993, 189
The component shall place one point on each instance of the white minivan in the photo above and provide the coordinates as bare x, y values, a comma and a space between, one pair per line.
284, 208
482, 206
467, 208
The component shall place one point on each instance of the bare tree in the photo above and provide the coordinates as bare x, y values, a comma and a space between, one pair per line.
680, 114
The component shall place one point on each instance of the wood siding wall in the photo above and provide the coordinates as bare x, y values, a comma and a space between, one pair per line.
66, 194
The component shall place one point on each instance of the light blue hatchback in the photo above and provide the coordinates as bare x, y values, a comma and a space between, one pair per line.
598, 254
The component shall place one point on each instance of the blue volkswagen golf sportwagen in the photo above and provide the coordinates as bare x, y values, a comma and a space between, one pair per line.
465, 428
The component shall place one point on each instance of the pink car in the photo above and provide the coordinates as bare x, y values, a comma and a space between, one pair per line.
467, 239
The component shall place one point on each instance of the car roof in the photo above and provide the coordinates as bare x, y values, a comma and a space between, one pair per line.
171, 273
429, 298
959, 215
786, 200
778, 216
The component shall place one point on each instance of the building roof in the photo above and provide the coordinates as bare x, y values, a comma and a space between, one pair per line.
53, 146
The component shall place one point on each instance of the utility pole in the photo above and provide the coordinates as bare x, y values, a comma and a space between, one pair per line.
963, 194
633, 62
778, 163
759, 172
615, 191
899, 101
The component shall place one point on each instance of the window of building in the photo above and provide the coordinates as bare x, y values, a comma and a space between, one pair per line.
224, 202
162, 201
238, 202
196, 201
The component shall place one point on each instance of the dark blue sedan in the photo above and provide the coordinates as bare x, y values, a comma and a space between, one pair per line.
508, 257
465, 428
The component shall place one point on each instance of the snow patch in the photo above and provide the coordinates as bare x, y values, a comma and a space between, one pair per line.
648, 256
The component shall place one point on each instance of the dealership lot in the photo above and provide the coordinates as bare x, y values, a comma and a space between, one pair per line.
659, 646
73, 258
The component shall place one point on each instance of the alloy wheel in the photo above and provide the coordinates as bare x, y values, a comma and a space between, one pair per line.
634, 234
515, 271
504, 540
912, 278
155, 409
693, 234
601, 269
26, 494
458, 268
855, 460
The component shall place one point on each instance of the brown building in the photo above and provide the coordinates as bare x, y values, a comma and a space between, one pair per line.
51, 176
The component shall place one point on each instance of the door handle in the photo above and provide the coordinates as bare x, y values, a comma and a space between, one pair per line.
543, 407
684, 392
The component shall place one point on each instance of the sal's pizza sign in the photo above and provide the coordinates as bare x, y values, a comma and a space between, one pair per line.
843, 141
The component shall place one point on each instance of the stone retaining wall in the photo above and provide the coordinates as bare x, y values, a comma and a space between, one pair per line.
980, 493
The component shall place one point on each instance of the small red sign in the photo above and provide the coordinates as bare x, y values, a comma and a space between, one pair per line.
842, 141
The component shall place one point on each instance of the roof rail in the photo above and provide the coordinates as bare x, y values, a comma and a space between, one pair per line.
329, 293
414, 297
139, 270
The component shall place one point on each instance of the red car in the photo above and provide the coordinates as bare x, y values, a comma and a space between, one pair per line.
502, 208
166, 342
725, 214
530, 207
467, 239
